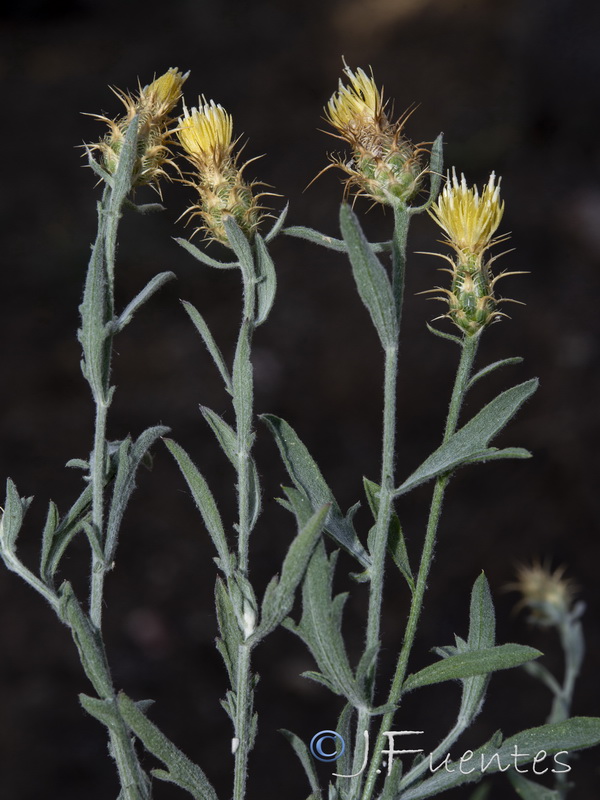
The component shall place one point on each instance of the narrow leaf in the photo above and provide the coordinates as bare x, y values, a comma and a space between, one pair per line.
307, 477
370, 277
505, 362
204, 501
242, 388
464, 665
210, 343
278, 225
151, 288
470, 442
307, 762
181, 770
310, 235
200, 255
224, 433
12, 518
240, 245
528, 790
396, 542
278, 604
267, 280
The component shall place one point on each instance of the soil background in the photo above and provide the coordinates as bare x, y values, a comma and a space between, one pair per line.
515, 86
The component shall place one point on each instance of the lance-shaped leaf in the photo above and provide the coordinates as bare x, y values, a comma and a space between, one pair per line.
307, 762
267, 280
231, 635
130, 456
307, 478
470, 443
241, 247
242, 383
556, 740
396, 543
465, 665
58, 535
200, 255
280, 593
181, 771
210, 343
339, 245
205, 502
277, 225
370, 277
11, 519
151, 288
320, 628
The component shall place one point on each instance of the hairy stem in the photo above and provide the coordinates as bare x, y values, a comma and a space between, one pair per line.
469, 349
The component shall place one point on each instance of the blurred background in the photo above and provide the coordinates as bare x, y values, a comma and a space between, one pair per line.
515, 86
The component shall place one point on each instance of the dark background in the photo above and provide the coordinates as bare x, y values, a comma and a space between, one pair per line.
515, 87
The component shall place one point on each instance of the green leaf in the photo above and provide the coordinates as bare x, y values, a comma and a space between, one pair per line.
151, 288
130, 456
529, 790
320, 627
205, 502
267, 280
370, 277
396, 542
476, 662
469, 443
308, 479
224, 433
102, 710
242, 386
436, 165
210, 343
181, 771
505, 362
301, 751
56, 540
280, 594
231, 635
555, 740
310, 235
240, 245
200, 255
296, 503
11, 520
278, 225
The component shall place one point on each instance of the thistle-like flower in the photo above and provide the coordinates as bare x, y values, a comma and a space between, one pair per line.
384, 166
548, 595
152, 105
206, 135
470, 221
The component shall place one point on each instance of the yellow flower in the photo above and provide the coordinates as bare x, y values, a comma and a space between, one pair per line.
206, 135
353, 106
152, 105
470, 220
384, 166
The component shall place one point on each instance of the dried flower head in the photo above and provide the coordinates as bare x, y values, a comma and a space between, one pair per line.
206, 135
152, 105
384, 166
548, 595
470, 221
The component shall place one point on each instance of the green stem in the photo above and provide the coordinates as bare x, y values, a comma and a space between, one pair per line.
243, 407
469, 349
388, 456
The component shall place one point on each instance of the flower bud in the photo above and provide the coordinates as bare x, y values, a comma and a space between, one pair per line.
206, 135
384, 166
470, 221
152, 105
548, 595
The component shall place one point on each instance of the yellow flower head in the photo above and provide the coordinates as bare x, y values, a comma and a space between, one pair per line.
206, 135
470, 220
354, 106
385, 166
152, 105
549, 595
